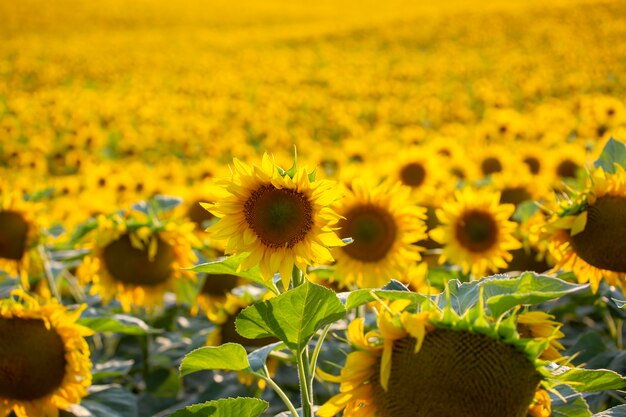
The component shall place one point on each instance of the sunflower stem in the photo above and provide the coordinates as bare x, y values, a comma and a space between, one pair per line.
43, 254
317, 350
279, 391
303, 374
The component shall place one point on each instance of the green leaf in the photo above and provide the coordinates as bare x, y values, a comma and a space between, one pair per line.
525, 211
186, 291
230, 265
228, 357
118, 323
614, 152
112, 369
529, 288
293, 316
589, 380
110, 401
357, 298
258, 357
619, 411
166, 202
569, 403
226, 407
620, 303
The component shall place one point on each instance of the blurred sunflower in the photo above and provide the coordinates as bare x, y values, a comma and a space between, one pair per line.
44, 358
418, 168
215, 289
384, 226
279, 220
587, 232
136, 262
434, 363
476, 232
20, 231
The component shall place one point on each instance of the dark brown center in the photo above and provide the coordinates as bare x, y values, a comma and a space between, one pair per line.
229, 335
133, 266
219, 284
476, 231
456, 373
32, 359
413, 174
490, 166
514, 195
13, 235
199, 215
373, 230
603, 242
533, 164
567, 169
279, 217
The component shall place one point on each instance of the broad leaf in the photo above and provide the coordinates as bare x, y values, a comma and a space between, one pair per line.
258, 357
589, 380
620, 303
357, 298
226, 407
110, 401
568, 403
614, 152
619, 411
229, 357
118, 323
230, 266
293, 316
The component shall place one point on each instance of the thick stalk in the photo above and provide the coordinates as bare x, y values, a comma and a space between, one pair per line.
305, 391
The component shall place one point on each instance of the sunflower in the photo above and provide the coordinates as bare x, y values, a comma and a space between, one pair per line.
44, 358
587, 232
476, 232
136, 262
384, 226
215, 289
418, 168
431, 362
20, 231
279, 220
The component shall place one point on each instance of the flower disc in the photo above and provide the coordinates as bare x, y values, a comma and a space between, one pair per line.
131, 265
373, 230
567, 169
280, 217
603, 241
515, 195
476, 231
413, 174
456, 373
490, 165
219, 284
198, 214
13, 235
32, 359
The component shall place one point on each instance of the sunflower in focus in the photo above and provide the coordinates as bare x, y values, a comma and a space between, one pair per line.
384, 226
44, 358
280, 220
136, 262
20, 230
476, 232
431, 362
587, 232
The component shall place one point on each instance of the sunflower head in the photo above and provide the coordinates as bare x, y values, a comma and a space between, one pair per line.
44, 358
587, 231
384, 226
476, 232
136, 261
280, 218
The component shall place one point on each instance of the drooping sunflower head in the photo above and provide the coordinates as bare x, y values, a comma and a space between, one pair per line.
44, 358
435, 362
587, 232
281, 218
136, 261
476, 232
20, 231
384, 226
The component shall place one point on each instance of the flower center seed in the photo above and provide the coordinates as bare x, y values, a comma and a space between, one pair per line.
476, 231
32, 359
279, 217
373, 230
13, 235
413, 174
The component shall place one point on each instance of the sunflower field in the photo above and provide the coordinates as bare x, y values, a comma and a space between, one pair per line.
335, 208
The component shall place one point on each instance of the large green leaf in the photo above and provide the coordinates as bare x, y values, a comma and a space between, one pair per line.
229, 357
110, 401
589, 380
226, 407
359, 297
293, 316
258, 357
230, 266
619, 411
118, 323
614, 152
569, 403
